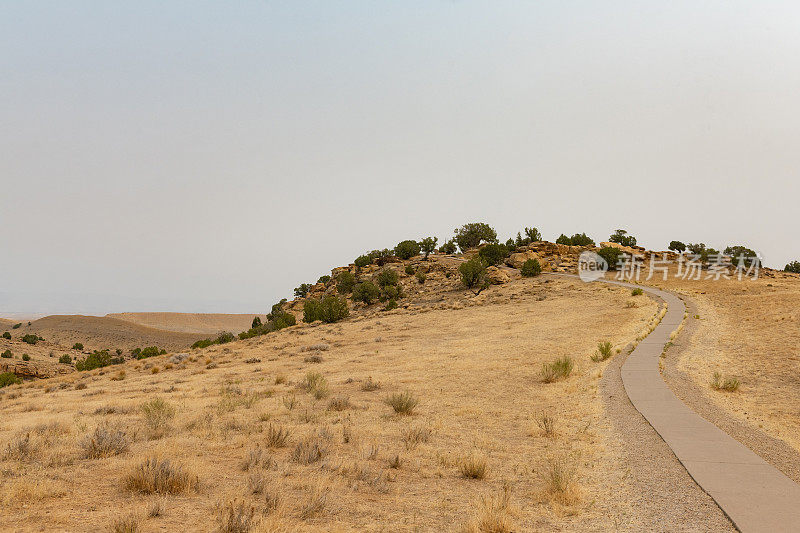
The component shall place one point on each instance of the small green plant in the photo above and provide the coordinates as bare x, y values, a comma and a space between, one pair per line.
30, 339
8, 354
78, 346
793, 267
637, 292
7, 335
530, 268
410, 270
150, 351
473, 467
391, 304
366, 292
473, 275
559, 369
8, 378
493, 254
727, 384
65, 359
421, 277
622, 237
17, 325
26, 357
604, 351
403, 403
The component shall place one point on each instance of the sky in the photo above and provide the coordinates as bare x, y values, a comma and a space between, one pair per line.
211, 156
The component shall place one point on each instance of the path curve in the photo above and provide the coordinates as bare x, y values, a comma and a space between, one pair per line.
756, 496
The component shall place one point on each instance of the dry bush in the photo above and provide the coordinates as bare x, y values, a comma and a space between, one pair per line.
157, 415
310, 450
156, 508
280, 379
473, 467
276, 436
126, 524
21, 448
547, 423
339, 403
561, 368
322, 347
493, 515
370, 385
257, 457
290, 402
315, 384
315, 502
604, 351
403, 403
313, 359
160, 476
559, 476
727, 384
395, 461
104, 442
412, 436
236, 517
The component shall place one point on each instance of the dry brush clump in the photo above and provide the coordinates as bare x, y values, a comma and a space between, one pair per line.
493, 515
559, 477
126, 524
157, 415
412, 436
277, 436
370, 385
604, 351
315, 384
557, 370
236, 517
339, 403
547, 423
310, 450
21, 448
160, 476
473, 466
722, 383
104, 442
403, 403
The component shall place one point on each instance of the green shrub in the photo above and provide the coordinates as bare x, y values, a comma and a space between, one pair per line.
345, 281
7, 335
427, 246
563, 239
202, 343
403, 403
696, 249
448, 247
561, 368
604, 351
30, 338
78, 346
98, 359
637, 292
8, 354
225, 337
8, 378
677, 246
26, 357
472, 234
362, 261
330, 309
16, 326
727, 384
473, 275
366, 292
531, 268
387, 277
65, 359
532, 235
410, 270
794, 267
581, 239
511, 245
324, 279
621, 237
741, 252
493, 254
302, 290
611, 255
391, 304
256, 323
407, 249
421, 277
150, 351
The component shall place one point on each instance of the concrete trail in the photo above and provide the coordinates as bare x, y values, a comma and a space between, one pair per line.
756, 496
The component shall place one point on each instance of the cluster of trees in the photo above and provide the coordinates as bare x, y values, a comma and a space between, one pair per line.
329, 309
579, 239
144, 353
98, 359
223, 338
794, 266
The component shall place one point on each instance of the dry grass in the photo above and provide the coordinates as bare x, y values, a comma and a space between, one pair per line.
104, 442
160, 476
413, 436
557, 370
403, 403
473, 467
157, 415
726, 384
315, 384
339, 403
547, 423
126, 524
276, 436
236, 517
370, 385
493, 515
310, 450
560, 477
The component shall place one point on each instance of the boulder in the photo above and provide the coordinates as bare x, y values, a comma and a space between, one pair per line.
497, 276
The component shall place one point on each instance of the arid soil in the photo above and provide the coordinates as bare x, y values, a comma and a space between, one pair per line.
349, 462
205, 323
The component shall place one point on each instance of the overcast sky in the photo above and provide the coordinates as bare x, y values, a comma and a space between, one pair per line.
211, 156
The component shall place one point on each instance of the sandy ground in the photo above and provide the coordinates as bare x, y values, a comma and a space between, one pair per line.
206, 323
474, 364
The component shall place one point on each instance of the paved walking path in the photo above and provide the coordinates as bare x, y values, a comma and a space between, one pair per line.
756, 496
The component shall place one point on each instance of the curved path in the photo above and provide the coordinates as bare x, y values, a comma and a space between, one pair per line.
755, 495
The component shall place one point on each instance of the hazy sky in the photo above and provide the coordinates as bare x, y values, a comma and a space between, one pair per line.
211, 156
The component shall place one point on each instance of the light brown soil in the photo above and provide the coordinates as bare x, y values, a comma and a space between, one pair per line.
205, 323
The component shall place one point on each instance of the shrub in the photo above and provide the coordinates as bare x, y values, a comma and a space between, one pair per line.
7, 335
104, 442
448, 247
604, 351
473, 275
421, 277
65, 359
276, 436
256, 323
26, 357
677, 246
157, 415
559, 478
473, 467
8, 378
362, 261
339, 403
370, 385
547, 423
126, 524
387, 277
160, 476
16, 326
391, 304
8, 354
621, 237
611, 255
493, 254
427, 246
561, 368
532, 235
302, 291
794, 267
563, 239
736, 253
729, 384
403, 403
236, 517
30, 338
410, 270
315, 384
324, 279
78, 346
412, 436
98, 359
407, 249
330, 309
150, 351
581, 239
366, 292
472, 234
531, 268
637, 292
309, 450
345, 281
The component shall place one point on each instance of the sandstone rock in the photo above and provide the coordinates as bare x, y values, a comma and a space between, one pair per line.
497, 276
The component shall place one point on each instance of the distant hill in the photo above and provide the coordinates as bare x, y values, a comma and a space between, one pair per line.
203, 323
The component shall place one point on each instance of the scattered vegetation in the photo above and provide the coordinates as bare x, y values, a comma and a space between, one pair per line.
9, 378
579, 239
160, 476
727, 384
449, 247
309, 450
276, 436
223, 338
303, 290
547, 423
7, 335
26, 357
794, 267
493, 253
403, 403
677, 246
97, 359
104, 442
330, 309
345, 281
559, 369
427, 246
157, 415
611, 255
637, 292
150, 351
315, 384
531, 268
366, 292
7, 354
473, 275
30, 338
472, 234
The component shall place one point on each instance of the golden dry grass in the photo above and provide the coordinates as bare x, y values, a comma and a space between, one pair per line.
468, 455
